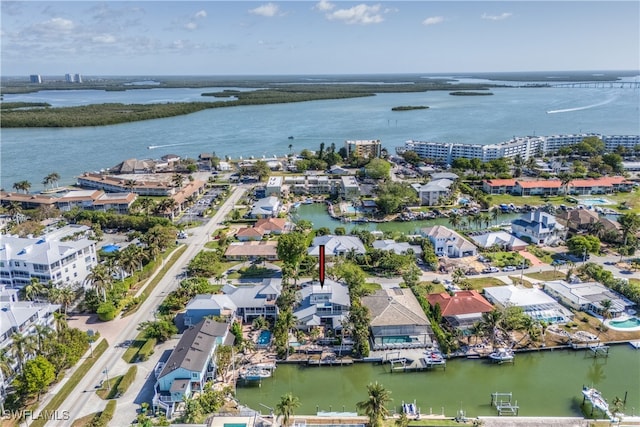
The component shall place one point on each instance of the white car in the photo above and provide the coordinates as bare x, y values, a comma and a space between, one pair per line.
509, 268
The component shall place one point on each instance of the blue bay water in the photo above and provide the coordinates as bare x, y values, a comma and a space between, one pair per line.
31, 154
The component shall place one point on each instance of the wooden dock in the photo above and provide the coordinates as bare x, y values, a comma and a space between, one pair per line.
408, 365
329, 361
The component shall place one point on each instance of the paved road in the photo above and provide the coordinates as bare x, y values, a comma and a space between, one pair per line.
83, 401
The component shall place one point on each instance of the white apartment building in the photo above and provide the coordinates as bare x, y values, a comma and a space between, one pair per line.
274, 186
48, 258
525, 147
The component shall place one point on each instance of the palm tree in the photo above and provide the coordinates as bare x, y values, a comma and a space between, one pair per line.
42, 333
285, 408
596, 228
22, 186
6, 366
130, 184
100, 278
60, 321
455, 220
22, 347
177, 180
490, 323
495, 214
66, 296
167, 206
33, 289
375, 405
606, 308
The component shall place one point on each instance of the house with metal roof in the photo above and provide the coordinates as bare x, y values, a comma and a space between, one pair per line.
538, 227
500, 239
447, 242
190, 365
337, 245
534, 302
587, 296
267, 207
431, 193
399, 248
397, 320
327, 305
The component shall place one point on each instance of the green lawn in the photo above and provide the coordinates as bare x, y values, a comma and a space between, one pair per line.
547, 275
479, 283
109, 392
131, 352
498, 199
370, 288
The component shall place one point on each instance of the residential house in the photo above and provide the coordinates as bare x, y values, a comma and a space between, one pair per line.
538, 227
338, 170
462, 309
247, 301
263, 227
208, 305
501, 239
349, 188
190, 365
268, 207
249, 233
243, 251
337, 245
578, 219
322, 305
399, 248
534, 302
444, 175
434, 192
587, 297
64, 255
447, 242
396, 313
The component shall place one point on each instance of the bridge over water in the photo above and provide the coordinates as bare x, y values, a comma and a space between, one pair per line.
599, 85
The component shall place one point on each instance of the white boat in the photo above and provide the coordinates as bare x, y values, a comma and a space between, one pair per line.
434, 357
254, 373
596, 400
502, 355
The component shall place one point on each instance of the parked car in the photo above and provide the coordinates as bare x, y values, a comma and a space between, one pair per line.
509, 268
491, 270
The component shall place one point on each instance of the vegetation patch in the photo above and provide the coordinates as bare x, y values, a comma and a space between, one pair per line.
108, 389
131, 352
64, 391
547, 275
503, 259
370, 288
479, 283
541, 254
409, 107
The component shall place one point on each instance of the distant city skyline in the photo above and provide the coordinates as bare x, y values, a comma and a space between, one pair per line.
316, 37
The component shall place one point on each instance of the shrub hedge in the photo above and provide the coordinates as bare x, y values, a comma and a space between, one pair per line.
147, 349
126, 380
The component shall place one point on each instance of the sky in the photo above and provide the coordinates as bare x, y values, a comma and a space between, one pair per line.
316, 37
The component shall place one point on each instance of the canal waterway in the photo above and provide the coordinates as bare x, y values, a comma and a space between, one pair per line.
545, 383
319, 217
263, 130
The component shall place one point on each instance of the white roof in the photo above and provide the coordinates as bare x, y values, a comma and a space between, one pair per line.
397, 247
39, 250
517, 296
335, 245
499, 238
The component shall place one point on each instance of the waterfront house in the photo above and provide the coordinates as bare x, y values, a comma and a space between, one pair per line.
578, 219
190, 365
244, 251
326, 305
264, 227
501, 239
534, 302
399, 248
266, 208
337, 245
587, 297
247, 301
205, 305
538, 227
349, 188
397, 320
26, 201
447, 242
462, 309
434, 192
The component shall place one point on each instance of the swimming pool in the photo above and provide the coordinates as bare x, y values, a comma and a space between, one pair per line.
595, 201
264, 338
110, 248
631, 323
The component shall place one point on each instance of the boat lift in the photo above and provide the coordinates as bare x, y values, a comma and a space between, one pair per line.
503, 403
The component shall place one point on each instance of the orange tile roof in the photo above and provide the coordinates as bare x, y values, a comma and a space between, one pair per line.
546, 183
605, 181
271, 224
249, 232
462, 302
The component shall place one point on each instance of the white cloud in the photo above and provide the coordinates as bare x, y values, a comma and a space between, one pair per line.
191, 26
500, 17
201, 14
267, 10
58, 25
433, 20
103, 38
360, 14
178, 44
324, 6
